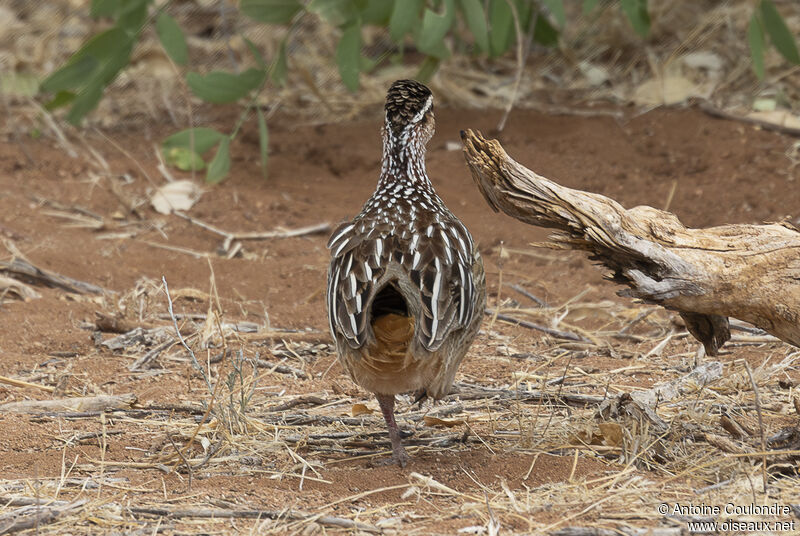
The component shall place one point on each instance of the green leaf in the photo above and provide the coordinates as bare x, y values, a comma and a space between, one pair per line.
184, 159
221, 164
132, 16
85, 101
404, 15
335, 12
262, 63
636, 11
280, 68
755, 37
434, 27
501, 27
779, 33
348, 52
556, 8
263, 141
525, 9
72, 75
270, 11
172, 39
62, 98
544, 33
476, 22
428, 67
220, 87
201, 138
104, 8
104, 54
378, 12
117, 58
91, 69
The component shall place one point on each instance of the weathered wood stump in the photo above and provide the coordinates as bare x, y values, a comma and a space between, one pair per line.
749, 272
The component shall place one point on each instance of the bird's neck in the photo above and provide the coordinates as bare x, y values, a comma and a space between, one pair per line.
403, 160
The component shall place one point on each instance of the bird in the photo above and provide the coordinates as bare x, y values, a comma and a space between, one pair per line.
406, 288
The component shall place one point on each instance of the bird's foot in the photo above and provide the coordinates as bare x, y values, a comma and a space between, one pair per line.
398, 457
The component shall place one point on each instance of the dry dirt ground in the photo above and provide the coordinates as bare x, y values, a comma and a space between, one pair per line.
515, 448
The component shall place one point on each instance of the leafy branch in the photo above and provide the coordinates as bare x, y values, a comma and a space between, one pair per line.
434, 28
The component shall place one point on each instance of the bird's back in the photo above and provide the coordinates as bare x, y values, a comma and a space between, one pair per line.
405, 280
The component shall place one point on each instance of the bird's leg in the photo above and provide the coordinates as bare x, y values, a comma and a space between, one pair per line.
399, 455
420, 397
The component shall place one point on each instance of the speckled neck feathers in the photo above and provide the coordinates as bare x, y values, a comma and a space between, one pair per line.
407, 127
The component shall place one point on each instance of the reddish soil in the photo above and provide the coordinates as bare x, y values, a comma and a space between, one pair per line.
721, 172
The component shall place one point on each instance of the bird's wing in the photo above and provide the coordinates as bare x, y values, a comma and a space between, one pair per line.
437, 258
441, 268
359, 256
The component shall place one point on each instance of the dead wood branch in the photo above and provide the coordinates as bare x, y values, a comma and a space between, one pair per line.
83, 404
17, 288
21, 268
664, 392
34, 516
750, 272
114, 323
292, 515
147, 359
476, 392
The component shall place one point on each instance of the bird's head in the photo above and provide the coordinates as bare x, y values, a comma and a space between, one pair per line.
409, 112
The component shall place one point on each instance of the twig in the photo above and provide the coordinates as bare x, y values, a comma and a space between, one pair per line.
183, 459
22, 267
121, 149
33, 516
86, 404
146, 359
195, 362
278, 233
476, 392
256, 514
760, 424
20, 289
89, 435
282, 369
315, 337
558, 334
641, 316
538, 301
48, 118
315, 400
7, 501
178, 249
766, 125
738, 325
21, 383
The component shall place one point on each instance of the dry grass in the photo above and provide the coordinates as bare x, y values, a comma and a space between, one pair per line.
699, 443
